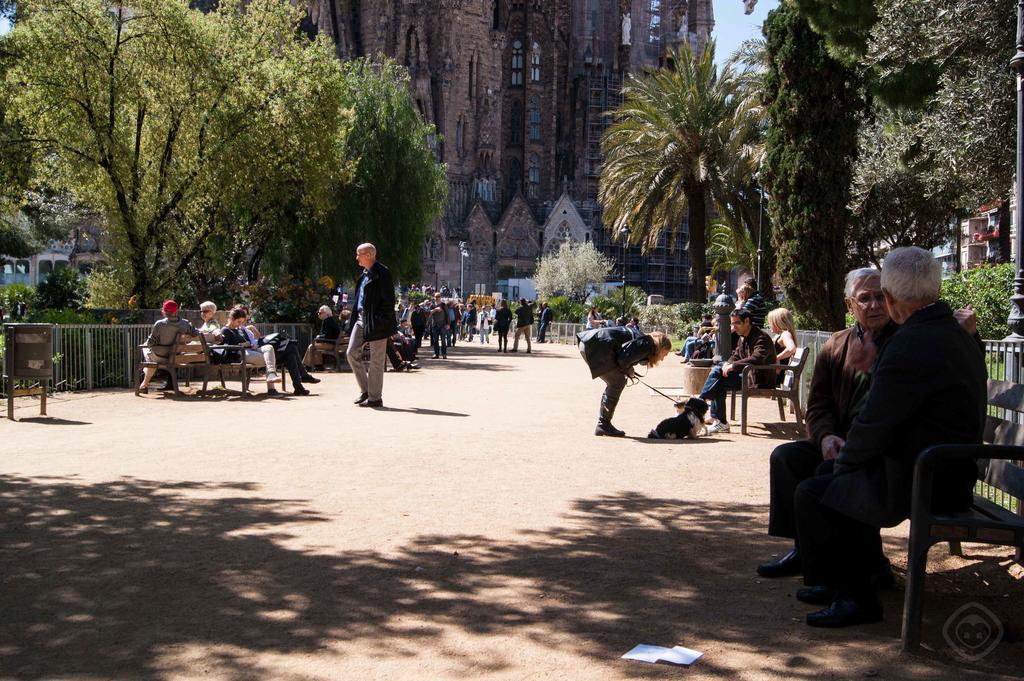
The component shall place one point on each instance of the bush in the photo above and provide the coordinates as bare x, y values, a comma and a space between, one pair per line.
66, 316
12, 294
286, 300
988, 289
661, 316
64, 289
417, 297
566, 311
109, 289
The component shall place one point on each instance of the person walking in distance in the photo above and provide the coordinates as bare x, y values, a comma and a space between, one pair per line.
524, 324
502, 322
439, 327
372, 323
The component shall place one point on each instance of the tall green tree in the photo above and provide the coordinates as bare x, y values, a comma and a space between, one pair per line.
397, 187
667, 155
813, 104
156, 115
898, 200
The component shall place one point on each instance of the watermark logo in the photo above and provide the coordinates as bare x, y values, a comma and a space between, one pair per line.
973, 631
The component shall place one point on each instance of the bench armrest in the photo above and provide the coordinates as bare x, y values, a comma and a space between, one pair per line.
924, 468
761, 367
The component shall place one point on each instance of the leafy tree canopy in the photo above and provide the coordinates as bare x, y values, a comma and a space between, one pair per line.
176, 126
572, 272
397, 187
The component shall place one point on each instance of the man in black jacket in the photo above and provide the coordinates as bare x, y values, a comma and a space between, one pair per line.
928, 387
524, 324
372, 322
755, 347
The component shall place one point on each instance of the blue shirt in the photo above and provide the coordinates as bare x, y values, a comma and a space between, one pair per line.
359, 295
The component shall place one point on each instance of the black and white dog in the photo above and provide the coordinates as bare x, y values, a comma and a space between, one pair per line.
689, 422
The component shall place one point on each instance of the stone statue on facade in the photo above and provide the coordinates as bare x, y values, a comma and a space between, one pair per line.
627, 29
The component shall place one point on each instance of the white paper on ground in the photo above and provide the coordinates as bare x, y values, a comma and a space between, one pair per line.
652, 654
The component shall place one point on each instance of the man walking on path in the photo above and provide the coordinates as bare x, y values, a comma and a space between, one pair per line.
372, 323
524, 323
545, 318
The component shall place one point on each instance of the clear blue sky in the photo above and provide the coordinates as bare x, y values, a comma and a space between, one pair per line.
732, 26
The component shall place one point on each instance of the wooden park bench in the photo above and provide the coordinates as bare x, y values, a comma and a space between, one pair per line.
194, 353
187, 352
789, 389
336, 350
1001, 469
245, 370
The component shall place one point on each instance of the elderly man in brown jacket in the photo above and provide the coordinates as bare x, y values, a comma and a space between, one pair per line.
839, 386
754, 348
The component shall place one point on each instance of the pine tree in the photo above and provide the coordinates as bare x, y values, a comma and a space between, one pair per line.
814, 103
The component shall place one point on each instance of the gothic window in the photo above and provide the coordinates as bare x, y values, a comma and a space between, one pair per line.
472, 73
515, 134
460, 133
517, 63
654, 26
535, 117
515, 173
535, 64
534, 175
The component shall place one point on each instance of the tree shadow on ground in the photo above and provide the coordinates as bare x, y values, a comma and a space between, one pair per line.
117, 579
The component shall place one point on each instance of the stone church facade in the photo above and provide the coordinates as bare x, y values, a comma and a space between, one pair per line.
516, 89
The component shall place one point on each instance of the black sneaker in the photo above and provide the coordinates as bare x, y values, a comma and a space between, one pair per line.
310, 379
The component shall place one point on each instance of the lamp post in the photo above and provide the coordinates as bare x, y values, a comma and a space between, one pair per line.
624, 233
462, 269
1016, 319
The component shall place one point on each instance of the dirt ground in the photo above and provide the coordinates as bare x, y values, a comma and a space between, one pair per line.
473, 529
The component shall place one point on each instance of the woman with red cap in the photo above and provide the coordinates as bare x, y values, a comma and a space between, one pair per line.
161, 339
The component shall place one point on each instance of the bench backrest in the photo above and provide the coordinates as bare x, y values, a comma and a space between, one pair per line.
1004, 425
190, 350
797, 362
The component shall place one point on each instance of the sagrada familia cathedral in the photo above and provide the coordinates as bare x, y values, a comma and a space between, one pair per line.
517, 90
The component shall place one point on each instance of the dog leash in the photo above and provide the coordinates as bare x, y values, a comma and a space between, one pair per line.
671, 399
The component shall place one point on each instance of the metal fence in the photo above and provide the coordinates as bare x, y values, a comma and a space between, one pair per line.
94, 356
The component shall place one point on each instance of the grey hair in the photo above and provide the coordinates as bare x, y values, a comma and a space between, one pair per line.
912, 274
367, 247
854, 277
324, 308
208, 305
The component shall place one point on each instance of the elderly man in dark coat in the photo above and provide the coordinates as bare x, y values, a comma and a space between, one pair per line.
928, 387
372, 322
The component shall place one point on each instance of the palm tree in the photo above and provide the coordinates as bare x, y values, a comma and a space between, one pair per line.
679, 138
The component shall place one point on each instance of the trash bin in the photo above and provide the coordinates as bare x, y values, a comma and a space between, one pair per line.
28, 355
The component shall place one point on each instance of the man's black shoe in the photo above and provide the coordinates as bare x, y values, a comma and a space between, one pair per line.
362, 398
883, 578
299, 390
310, 379
847, 612
787, 566
816, 595
372, 403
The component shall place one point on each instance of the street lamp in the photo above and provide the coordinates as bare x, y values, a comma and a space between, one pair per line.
462, 269
1016, 319
760, 219
624, 233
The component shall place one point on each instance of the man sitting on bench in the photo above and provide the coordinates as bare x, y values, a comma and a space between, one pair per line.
161, 339
755, 347
928, 387
330, 329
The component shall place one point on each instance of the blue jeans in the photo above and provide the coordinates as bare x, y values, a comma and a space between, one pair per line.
439, 341
715, 389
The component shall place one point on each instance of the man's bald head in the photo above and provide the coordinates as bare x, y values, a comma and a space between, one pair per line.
366, 255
